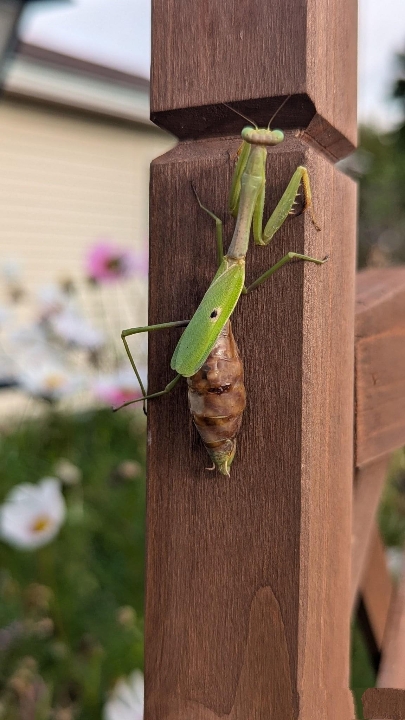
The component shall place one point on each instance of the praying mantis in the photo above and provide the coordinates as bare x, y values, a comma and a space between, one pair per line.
206, 353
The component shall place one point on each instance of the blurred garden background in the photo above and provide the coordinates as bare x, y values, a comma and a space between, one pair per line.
75, 149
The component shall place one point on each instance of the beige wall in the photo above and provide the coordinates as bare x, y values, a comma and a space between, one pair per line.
66, 180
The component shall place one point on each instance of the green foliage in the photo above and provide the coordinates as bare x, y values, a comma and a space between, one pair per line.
399, 92
381, 169
379, 165
74, 608
392, 508
362, 673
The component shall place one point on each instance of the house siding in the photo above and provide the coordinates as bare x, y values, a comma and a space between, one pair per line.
68, 179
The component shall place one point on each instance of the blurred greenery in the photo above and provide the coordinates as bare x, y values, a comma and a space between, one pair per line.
379, 167
362, 673
71, 613
392, 507
399, 90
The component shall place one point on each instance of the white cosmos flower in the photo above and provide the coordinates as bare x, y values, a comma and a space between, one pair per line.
74, 329
11, 270
395, 561
52, 300
4, 314
32, 515
126, 701
28, 338
49, 379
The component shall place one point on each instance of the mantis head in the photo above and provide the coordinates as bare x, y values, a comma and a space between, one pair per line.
262, 136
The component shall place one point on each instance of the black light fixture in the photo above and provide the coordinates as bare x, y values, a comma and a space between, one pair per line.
10, 12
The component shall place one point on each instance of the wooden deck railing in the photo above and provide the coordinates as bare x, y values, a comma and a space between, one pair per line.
379, 430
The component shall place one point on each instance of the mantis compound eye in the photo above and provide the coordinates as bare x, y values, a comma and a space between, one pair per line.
278, 135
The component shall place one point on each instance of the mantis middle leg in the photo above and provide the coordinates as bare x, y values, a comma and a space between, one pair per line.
289, 256
218, 228
135, 331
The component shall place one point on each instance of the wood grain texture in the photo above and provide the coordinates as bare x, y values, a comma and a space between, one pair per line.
392, 668
377, 589
248, 577
368, 485
254, 53
379, 358
383, 703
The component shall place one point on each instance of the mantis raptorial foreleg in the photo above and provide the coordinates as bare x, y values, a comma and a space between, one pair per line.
135, 331
234, 194
290, 256
284, 208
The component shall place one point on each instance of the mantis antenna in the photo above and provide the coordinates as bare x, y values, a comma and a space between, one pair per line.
277, 111
251, 121
241, 114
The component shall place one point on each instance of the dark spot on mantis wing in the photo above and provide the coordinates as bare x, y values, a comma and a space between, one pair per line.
215, 313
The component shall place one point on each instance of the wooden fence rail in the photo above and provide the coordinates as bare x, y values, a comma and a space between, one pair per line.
379, 430
248, 578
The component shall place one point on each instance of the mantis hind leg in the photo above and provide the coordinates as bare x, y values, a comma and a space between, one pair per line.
135, 331
166, 390
284, 208
279, 264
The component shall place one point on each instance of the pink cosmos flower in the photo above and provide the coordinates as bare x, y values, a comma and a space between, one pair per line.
106, 262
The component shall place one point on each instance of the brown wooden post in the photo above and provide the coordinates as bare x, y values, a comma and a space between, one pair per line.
248, 577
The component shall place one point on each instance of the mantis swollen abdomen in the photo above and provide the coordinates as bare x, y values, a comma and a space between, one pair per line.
217, 399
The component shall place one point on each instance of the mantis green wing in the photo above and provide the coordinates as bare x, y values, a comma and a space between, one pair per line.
215, 309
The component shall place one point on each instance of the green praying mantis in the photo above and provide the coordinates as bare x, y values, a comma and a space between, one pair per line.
246, 204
